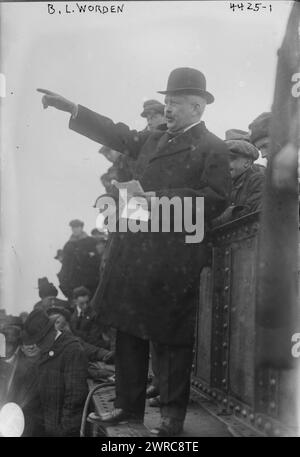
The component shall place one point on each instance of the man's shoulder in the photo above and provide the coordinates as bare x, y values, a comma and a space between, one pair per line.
67, 342
255, 174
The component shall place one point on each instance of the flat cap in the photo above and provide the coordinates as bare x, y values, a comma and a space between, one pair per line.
243, 148
236, 134
259, 128
152, 106
76, 223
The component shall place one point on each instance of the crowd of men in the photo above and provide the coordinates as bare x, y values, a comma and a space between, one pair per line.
135, 292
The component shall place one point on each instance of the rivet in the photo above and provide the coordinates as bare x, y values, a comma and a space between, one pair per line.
224, 363
214, 394
237, 409
252, 417
224, 345
225, 325
226, 252
259, 421
201, 386
273, 405
244, 413
227, 269
226, 307
231, 405
226, 288
225, 401
223, 381
272, 382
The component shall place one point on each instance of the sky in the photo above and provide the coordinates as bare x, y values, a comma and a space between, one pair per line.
110, 63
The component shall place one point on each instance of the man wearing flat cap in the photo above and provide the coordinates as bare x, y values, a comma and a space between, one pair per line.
259, 133
153, 111
149, 287
80, 265
247, 181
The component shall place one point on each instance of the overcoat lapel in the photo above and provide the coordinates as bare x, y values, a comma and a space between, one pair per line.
180, 143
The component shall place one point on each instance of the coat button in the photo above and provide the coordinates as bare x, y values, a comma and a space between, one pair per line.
51, 353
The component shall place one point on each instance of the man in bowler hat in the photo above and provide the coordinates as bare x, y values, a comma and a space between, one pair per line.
144, 293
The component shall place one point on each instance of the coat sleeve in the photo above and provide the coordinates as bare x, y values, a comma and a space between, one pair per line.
253, 200
75, 381
104, 131
214, 184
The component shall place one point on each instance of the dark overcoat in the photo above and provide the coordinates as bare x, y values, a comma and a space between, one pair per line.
80, 265
149, 286
62, 386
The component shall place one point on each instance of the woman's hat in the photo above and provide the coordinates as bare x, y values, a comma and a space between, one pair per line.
188, 81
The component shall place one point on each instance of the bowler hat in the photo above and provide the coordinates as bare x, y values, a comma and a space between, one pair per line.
152, 106
259, 128
36, 327
188, 81
243, 148
76, 223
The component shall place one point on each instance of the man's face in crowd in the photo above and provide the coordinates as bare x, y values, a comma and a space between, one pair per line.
181, 111
100, 247
30, 350
76, 231
82, 302
154, 120
60, 322
238, 164
263, 146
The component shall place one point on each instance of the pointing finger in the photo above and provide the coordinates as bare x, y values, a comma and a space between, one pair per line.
45, 91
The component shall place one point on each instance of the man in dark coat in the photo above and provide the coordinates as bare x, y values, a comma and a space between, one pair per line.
18, 381
247, 181
80, 266
149, 289
62, 375
82, 321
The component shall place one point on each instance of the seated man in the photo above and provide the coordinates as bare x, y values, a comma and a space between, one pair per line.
61, 375
82, 322
61, 318
247, 181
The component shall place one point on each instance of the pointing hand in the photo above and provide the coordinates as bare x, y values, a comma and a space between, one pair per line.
57, 101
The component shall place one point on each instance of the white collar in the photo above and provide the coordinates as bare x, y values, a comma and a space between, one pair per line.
191, 126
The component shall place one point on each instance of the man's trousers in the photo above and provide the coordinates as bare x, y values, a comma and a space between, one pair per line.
174, 369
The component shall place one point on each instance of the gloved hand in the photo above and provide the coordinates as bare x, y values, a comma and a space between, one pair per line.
57, 101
